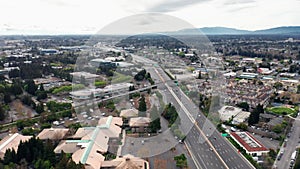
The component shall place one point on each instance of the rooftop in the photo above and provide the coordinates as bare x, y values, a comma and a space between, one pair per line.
89, 143
11, 141
139, 121
53, 133
247, 141
129, 113
126, 162
86, 75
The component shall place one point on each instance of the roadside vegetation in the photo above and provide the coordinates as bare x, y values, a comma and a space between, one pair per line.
181, 161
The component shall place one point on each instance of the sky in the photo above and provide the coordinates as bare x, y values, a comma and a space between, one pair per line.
90, 16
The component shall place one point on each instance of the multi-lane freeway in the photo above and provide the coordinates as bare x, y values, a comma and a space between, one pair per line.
208, 148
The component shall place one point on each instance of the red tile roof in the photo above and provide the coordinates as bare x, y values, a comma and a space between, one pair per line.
241, 141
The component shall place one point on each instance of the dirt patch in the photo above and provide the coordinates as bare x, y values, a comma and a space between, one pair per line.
159, 163
20, 111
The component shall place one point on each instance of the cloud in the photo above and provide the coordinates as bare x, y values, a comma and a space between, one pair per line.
173, 5
239, 8
238, 2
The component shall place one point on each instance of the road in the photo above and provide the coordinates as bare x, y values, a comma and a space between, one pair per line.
206, 145
208, 148
291, 145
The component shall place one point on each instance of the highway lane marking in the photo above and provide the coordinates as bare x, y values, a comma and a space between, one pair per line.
191, 118
193, 157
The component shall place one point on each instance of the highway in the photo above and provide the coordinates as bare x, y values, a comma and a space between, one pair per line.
208, 148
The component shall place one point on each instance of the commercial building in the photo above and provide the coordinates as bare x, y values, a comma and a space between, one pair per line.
126, 162
78, 76
128, 113
53, 134
228, 112
11, 141
250, 144
236, 114
139, 124
103, 63
248, 75
89, 144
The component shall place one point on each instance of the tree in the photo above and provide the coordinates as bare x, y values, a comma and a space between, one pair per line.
10, 156
7, 98
170, 114
278, 85
41, 95
272, 153
199, 75
2, 113
244, 69
293, 68
14, 73
41, 88
181, 161
155, 125
243, 105
26, 99
277, 128
254, 116
39, 108
140, 75
16, 89
131, 88
142, 104
30, 87
243, 126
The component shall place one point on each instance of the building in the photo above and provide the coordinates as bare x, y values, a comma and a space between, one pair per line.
48, 51
248, 75
113, 89
103, 63
250, 144
236, 114
11, 141
245, 91
229, 75
53, 134
126, 162
241, 117
128, 113
79, 76
265, 71
248, 60
89, 144
228, 112
139, 124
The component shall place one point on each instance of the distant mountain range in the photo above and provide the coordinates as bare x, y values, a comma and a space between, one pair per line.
285, 30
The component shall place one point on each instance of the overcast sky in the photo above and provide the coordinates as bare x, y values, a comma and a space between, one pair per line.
89, 16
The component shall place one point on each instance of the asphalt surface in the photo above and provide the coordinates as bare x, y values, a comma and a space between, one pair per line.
289, 147
208, 148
